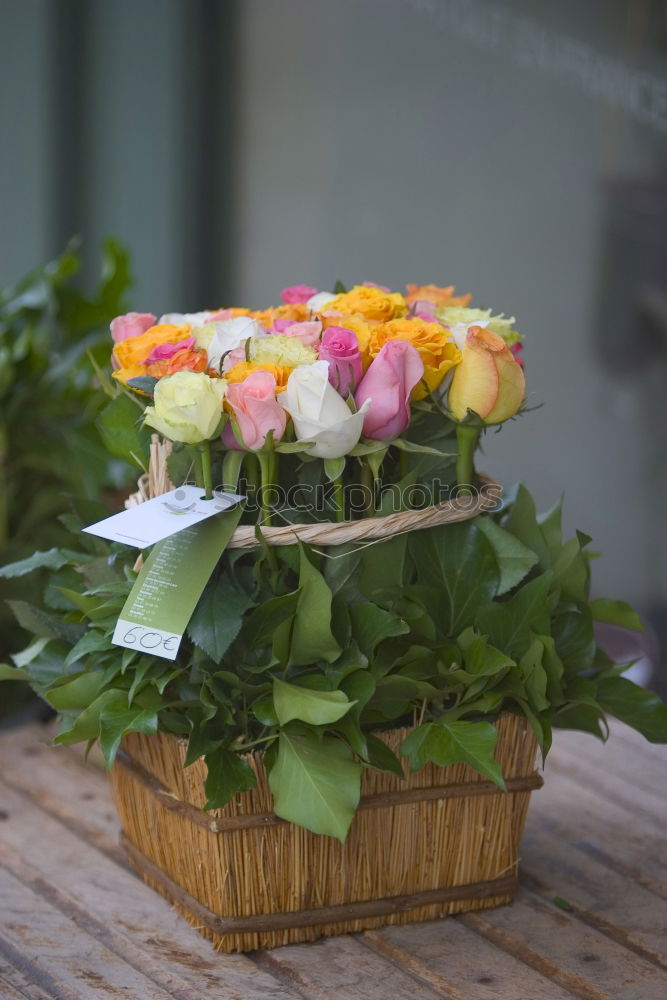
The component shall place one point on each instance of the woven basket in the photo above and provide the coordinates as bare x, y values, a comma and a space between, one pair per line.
442, 841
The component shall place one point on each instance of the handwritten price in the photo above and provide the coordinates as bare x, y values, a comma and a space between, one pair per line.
146, 639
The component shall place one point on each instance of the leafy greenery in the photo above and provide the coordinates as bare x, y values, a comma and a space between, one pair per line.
307, 657
50, 398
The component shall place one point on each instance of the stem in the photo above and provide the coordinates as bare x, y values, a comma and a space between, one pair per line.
467, 437
204, 450
368, 485
339, 498
231, 468
265, 465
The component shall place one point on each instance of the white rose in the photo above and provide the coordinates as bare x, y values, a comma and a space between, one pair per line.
316, 303
459, 331
191, 319
228, 335
319, 413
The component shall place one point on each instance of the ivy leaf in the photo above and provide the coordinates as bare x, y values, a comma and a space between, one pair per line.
458, 560
117, 719
260, 626
312, 638
615, 613
120, 428
509, 623
371, 624
42, 624
78, 691
637, 707
316, 784
575, 639
523, 524
514, 558
534, 675
382, 758
480, 658
318, 708
93, 641
218, 618
447, 743
52, 559
227, 776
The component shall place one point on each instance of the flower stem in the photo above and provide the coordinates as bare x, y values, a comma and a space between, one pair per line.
467, 437
265, 459
368, 485
339, 498
206, 470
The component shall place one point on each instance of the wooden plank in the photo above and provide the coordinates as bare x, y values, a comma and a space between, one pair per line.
61, 956
117, 909
619, 907
463, 966
575, 956
342, 969
14, 985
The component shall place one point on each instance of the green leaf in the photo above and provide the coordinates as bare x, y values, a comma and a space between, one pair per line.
480, 658
575, 639
637, 707
339, 288
53, 559
371, 624
615, 613
522, 523
143, 383
334, 467
509, 623
534, 675
227, 776
92, 641
117, 719
312, 638
316, 784
77, 692
453, 743
382, 758
9, 673
315, 707
260, 626
218, 618
513, 557
419, 449
458, 560
31, 652
119, 425
293, 447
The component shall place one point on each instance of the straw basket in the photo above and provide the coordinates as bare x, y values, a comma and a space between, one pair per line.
442, 841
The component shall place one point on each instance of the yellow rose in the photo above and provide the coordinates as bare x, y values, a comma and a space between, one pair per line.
437, 350
187, 407
488, 380
371, 303
240, 372
286, 352
134, 350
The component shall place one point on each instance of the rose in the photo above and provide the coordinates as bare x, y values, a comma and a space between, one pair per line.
130, 325
488, 380
320, 415
163, 352
253, 403
240, 371
319, 302
436, 348
371, 303
187, 407
135, 350
340, 348
227, 336
434, 293
308, 333
297, 293
385, 390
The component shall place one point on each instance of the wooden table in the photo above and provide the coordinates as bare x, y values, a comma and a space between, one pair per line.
589, 921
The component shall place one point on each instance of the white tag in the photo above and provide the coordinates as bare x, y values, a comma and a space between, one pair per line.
146, 640
163, 516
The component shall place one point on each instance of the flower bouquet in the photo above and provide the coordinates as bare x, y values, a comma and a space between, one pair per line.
322, 701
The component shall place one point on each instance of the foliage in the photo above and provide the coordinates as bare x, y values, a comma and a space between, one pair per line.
308, 656
50, 398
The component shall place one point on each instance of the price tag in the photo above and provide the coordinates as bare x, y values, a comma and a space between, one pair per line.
150, 522
160, 604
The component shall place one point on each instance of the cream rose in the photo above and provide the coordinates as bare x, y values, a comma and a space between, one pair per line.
225, 336
320, 415
187, 407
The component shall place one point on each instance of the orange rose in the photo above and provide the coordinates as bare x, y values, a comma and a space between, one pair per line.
182, 361
297, 312
434, 293
371, 303
488, 381
437, 350
134, 350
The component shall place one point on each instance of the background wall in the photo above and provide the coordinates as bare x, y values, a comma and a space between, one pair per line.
240, 147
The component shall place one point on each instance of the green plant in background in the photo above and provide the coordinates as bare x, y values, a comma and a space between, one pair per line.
306, 656
50, 399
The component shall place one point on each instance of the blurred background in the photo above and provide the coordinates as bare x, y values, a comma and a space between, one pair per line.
516, 149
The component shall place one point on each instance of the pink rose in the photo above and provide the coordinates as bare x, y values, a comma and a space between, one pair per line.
308, 333
422, 309
297, 293
234, 357
220, 315
392, 376
131, 325
256, 410
340, 348
163, 352
372, 284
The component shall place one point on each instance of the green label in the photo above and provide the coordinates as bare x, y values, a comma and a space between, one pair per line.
165, 594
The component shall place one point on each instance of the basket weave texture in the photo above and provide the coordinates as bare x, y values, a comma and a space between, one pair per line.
444, 840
